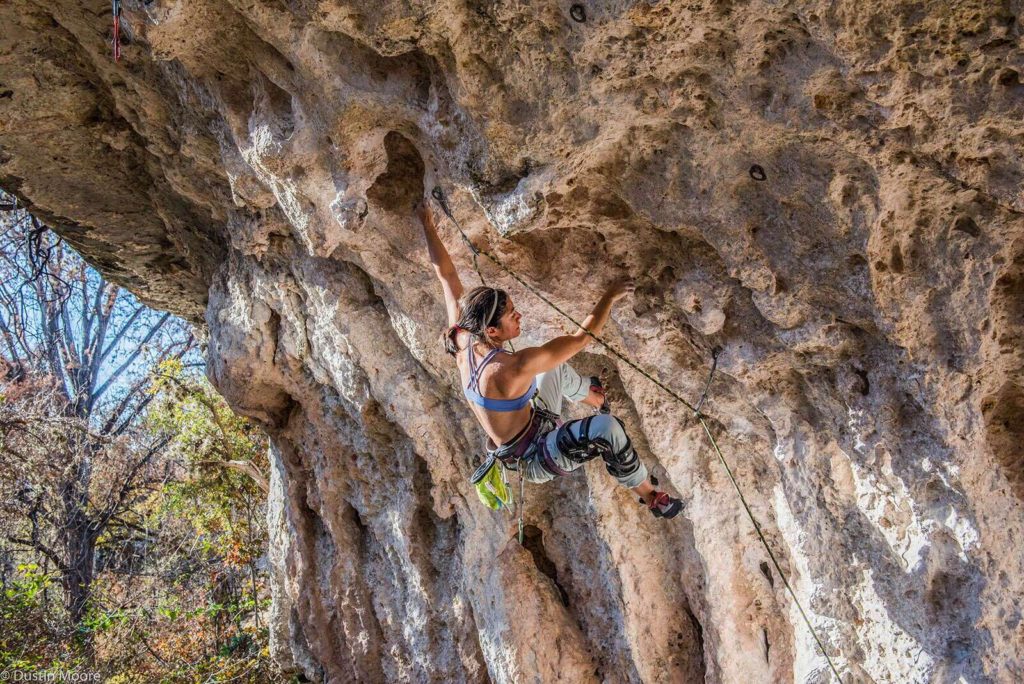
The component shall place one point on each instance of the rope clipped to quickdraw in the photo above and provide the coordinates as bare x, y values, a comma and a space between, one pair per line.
714, 365
116, 10
522, 497
696, 410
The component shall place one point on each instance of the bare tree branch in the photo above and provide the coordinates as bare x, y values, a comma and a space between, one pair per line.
114, 506
67, 339
131, 358
52, 353
42, 548
116, 339
131, 416
87, 311
117, 412
104, 314
8, 336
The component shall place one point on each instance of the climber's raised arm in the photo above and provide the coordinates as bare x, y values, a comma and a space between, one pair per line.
537, 360
443, 266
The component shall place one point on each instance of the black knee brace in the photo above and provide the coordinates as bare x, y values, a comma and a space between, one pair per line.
625, 462
583, 449
619, 464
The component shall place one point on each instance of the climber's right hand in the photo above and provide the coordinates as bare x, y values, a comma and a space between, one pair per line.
619, 288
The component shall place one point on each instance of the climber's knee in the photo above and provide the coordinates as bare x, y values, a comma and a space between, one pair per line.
601, 436
583, 440
608, 427
617, 450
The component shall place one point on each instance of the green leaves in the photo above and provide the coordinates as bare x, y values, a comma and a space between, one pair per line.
25, 590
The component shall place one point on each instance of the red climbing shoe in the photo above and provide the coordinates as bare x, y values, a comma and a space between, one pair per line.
665, 506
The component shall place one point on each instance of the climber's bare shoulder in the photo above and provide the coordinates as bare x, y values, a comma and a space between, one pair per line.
462, 340
501, 379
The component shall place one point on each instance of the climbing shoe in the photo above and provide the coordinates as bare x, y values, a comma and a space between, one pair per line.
654, 481
596, 386
665, 506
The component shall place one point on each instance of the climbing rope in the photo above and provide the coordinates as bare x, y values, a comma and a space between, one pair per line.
438, 195
476, 251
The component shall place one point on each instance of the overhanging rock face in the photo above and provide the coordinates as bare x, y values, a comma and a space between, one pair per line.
254, 165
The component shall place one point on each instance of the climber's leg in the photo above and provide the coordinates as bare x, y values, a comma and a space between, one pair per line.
561, 382
646, 491
594, 398
570, 446
579, 441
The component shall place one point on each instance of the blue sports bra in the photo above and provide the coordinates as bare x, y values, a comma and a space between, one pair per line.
472, 390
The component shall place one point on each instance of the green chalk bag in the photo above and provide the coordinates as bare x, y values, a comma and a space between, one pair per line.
489, 481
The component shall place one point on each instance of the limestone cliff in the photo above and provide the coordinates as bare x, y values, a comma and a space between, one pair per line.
253, 164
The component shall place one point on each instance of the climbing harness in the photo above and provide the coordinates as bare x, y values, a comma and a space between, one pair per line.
501, 458
438, 195
541, 422
578, 12
116, 7
757, 173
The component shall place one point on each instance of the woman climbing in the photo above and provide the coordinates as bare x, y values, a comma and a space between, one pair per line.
517, 396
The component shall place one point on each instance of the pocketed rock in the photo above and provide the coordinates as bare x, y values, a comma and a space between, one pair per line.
253, 166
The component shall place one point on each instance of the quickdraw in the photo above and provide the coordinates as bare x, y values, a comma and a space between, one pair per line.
711, 376
116, 10
521, 504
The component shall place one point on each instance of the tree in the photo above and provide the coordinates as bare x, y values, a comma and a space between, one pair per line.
75, 457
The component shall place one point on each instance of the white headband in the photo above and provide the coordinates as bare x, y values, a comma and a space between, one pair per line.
494, 307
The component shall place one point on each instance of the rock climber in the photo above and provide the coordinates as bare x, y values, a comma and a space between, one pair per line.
517, 396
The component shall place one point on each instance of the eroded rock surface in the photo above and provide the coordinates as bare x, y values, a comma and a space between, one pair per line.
253, 165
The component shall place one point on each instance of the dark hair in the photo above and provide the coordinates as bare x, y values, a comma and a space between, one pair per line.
481, 308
